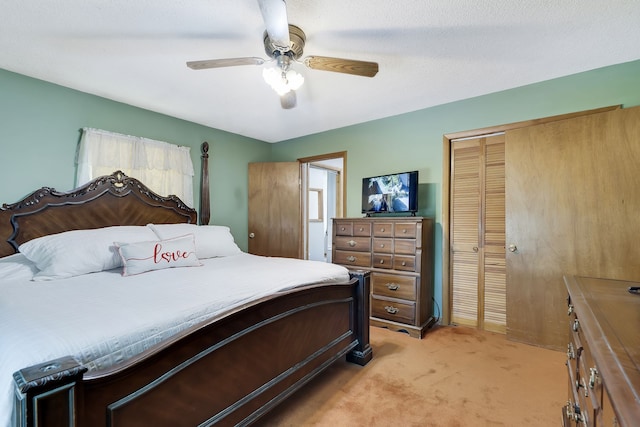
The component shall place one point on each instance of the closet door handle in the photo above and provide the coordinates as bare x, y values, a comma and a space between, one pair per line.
513, 248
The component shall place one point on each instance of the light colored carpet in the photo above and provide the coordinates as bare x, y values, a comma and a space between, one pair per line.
453, 377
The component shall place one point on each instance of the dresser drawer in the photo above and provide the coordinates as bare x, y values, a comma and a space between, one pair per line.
362, 229
405, 246
404, 263
382, 261
353, 243
403, 312
405, 230
344, 228
359, 259
382, 245
383, 229
391, 285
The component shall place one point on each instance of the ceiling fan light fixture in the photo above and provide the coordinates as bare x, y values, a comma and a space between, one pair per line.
282, 81
282, 78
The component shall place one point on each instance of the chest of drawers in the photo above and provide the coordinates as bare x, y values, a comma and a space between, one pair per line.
399, 254
603, 353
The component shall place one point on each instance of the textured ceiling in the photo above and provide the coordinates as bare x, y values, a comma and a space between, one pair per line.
429, 52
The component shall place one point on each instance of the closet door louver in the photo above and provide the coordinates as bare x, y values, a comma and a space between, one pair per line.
495, 307
478, 233
465, 207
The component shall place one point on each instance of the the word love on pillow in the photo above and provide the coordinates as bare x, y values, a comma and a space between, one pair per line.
141, 257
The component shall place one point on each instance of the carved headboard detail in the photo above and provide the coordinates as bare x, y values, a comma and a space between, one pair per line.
109, 200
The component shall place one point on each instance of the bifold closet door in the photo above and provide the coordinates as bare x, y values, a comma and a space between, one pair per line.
478, 233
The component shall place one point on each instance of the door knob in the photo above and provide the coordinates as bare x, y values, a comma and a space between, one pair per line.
252, 235
513, 248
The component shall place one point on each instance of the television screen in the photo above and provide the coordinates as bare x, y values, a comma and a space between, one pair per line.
397, 192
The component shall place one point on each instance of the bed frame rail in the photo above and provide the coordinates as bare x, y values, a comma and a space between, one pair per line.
281, 342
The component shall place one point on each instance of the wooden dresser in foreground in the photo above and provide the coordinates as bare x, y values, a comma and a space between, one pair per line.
398, 252
603, 354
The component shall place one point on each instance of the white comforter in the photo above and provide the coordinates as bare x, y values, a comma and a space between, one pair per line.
103, 318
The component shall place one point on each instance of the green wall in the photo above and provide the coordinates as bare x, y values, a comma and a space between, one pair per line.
414, 141
40, 126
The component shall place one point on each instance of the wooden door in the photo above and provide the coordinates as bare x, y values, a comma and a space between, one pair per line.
572, 208
275, 212
477, 233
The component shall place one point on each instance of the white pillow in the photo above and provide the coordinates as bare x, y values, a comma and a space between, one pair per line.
17, 266
77, 252
141, 257
211, 240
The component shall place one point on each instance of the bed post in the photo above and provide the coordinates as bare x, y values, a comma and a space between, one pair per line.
45, 393
204, 185
362, 353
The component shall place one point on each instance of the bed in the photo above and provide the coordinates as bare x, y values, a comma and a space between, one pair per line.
222, 363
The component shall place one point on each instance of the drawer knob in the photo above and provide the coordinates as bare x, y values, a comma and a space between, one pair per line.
351, 258
382, 245
382, 229
381, 261
573, 412
571, 353
404, 264
390, 309
342, 228
393, 287
361, 228
404, 230
576, 325
570, 310
593, 376
351, 243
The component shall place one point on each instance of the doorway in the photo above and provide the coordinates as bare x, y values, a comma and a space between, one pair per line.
324, 193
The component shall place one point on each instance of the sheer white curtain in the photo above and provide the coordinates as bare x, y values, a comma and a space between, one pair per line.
164, 168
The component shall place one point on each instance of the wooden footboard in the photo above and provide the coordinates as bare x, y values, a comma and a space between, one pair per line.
229, 371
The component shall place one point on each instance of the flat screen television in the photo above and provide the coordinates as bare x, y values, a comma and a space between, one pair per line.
394, 193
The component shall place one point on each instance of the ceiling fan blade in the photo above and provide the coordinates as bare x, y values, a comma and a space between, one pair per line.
339, 65
228, 62
274, 14
288, 100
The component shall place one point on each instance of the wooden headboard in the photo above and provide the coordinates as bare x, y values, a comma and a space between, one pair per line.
109, 200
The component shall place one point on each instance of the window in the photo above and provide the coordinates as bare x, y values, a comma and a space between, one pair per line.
165, 168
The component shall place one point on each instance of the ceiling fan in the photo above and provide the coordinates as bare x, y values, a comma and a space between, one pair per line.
284, 43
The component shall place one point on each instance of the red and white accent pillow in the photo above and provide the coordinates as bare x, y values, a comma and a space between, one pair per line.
141, 257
